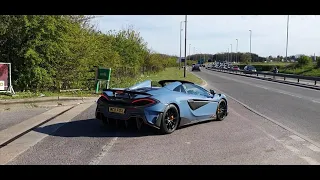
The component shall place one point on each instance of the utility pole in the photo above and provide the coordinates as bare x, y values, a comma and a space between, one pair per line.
250, 45
237, 51
287, 38
189, 50
180, 43
231, 53
185, 47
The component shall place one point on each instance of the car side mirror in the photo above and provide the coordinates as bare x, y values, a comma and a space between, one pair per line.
212, 91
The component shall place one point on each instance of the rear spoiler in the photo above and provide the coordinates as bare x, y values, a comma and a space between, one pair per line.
126, 91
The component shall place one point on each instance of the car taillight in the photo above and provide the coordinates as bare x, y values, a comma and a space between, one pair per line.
143, 102
104, 96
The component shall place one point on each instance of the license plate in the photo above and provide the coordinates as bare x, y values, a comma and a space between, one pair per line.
116, 110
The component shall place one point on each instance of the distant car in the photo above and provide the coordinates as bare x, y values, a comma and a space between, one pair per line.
236, 68
196, 67
249, 68
176, 103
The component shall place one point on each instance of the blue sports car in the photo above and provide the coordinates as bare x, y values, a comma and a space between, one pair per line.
174, 104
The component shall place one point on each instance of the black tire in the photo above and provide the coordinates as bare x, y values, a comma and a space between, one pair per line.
170, 119
222, 110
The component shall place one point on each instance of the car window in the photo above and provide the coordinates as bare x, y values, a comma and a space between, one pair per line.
195, 90
179, 89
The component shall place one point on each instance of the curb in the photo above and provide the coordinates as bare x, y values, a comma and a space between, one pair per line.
204, 83
44, 99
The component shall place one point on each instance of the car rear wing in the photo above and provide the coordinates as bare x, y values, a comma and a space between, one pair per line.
130, 93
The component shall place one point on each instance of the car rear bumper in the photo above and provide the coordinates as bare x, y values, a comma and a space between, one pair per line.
149, 117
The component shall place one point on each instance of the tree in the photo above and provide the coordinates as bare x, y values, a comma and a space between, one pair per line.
304, 60
245, 58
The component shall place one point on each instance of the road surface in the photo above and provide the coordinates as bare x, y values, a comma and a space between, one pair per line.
296, 107
242, 138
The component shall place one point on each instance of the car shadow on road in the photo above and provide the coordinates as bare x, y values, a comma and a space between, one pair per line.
94, 128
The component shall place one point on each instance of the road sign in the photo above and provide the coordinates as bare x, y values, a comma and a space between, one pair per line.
103, 74
1, 85
5, 78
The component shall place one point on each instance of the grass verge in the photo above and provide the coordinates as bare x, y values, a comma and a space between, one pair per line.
169, 73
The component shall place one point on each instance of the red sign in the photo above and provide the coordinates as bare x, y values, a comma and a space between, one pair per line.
4, 76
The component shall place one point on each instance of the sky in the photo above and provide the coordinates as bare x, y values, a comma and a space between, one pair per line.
214, 33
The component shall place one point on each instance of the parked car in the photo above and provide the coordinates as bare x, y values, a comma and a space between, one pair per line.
236, 68
249, 69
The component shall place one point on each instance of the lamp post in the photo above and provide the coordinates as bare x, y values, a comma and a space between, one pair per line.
185, 46
180, 43
237, 51
287, 38
250, 44
231, 53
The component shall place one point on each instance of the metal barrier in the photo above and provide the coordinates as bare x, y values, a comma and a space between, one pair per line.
284, 76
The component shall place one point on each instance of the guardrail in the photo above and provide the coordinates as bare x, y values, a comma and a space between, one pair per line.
315, 80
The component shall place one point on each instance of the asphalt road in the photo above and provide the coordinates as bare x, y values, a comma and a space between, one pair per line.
295, 107
12, 117
242, 138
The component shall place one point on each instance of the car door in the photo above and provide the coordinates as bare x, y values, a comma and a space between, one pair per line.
200, 101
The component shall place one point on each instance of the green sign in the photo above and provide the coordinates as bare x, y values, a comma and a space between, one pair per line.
103, 74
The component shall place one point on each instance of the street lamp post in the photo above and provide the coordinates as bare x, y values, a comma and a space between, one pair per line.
228, 55
189, 50
185, 46
250, 44
287, 38
237, 51
180, 43
231, 53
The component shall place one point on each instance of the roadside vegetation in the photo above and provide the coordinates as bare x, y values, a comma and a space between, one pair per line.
304, 67
169, 73
53, 53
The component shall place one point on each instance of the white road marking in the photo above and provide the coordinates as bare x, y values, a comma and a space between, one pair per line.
104, 152
313, 148
291, 148
20, 145
272, 89
296, 138
276, 82
310, 160
268, 118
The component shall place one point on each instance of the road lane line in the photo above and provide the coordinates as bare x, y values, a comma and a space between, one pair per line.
270, 89
10, 134
313, 148
296, 138
268, 118
20, 145
293, 149
105, 149
264, 80
310, 160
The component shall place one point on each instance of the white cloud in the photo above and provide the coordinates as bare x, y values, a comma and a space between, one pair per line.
211, 34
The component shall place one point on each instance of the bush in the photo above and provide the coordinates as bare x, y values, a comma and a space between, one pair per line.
304, 61
318, 62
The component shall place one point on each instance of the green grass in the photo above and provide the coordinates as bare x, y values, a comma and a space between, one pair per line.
309, 70
169, 73
268, 63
